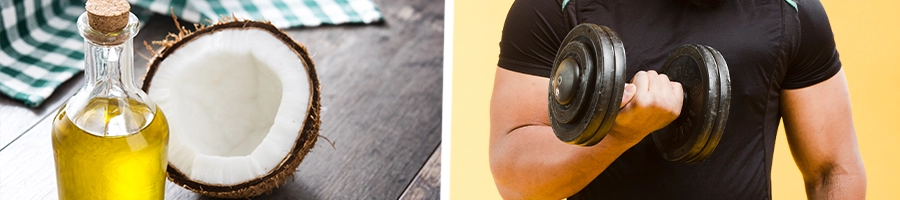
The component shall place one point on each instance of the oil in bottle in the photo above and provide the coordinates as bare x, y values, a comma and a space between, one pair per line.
116, 163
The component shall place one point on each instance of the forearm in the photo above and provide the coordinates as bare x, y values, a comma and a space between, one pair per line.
530, 162
838, 183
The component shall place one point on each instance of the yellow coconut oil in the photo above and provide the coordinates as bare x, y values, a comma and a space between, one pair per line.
114, 163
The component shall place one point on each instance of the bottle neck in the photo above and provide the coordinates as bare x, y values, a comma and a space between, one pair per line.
109, 103
109, 59
109, 65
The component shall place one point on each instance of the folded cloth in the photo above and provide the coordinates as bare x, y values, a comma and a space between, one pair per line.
282, 13
40, 47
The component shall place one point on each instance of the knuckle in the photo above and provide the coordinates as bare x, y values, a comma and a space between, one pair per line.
641, 74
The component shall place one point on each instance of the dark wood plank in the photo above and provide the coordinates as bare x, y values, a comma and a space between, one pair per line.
381, 99
427, 184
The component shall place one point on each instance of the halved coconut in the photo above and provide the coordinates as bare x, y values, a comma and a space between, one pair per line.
242, 101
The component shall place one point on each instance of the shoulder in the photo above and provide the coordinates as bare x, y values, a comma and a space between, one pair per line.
532, 33
814, 57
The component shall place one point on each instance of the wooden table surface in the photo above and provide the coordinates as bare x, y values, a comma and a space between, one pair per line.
381, 101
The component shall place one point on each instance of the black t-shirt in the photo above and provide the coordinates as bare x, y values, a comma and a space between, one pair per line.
769, 45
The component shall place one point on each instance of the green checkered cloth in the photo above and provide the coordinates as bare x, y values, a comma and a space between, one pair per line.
282, 13
40, 47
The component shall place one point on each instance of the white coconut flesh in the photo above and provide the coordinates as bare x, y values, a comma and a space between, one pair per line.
236, 100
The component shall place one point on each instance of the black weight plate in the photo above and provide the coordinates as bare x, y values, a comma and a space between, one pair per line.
584, 64
695, 69
582, 128
568, 130
724, 107
601, 97
606, 79
618, 83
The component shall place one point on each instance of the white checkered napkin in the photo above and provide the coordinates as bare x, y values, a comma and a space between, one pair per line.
40, 47
282, 13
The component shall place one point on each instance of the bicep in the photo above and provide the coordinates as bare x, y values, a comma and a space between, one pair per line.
518, 100
819, 125
531, 35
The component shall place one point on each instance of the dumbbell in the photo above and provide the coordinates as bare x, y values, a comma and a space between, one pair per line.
588, 80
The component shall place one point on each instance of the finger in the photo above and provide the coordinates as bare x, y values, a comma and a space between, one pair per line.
635, 76
627, 95
664, 84
678, 91
654, 84
640, 82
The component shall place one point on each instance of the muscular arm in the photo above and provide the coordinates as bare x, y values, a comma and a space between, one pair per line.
525, 154
528, 161
822, 139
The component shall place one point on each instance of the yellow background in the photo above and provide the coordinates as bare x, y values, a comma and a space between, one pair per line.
867, 35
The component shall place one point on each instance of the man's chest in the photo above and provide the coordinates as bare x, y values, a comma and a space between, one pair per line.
750, 36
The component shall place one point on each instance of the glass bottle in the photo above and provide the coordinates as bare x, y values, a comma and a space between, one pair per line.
109, 139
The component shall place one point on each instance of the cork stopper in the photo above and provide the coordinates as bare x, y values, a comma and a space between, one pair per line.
107, 15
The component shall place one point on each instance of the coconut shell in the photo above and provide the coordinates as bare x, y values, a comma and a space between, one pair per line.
307, 137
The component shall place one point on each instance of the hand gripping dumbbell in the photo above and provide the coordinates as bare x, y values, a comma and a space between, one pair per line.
588, 80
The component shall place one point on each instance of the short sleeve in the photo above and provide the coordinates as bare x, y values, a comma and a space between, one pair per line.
532, 34
816, 58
